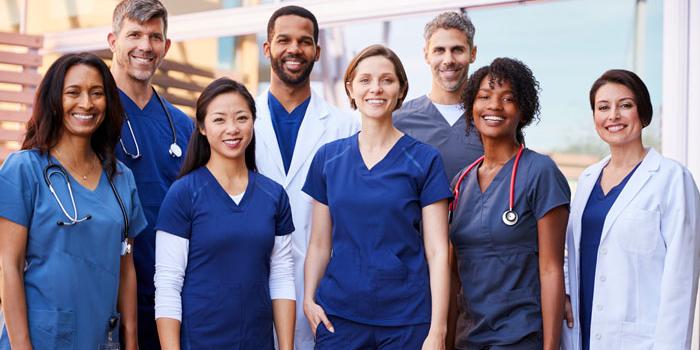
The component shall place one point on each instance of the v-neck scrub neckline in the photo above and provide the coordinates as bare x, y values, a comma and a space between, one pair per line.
224, 196
389, 157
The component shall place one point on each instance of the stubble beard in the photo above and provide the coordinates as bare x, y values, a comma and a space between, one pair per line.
290, 80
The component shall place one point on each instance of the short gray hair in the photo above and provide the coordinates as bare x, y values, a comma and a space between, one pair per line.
451, 20
139, 11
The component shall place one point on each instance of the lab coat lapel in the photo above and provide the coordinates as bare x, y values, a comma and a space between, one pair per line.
649, 166
585, 187
310, 134
266, 138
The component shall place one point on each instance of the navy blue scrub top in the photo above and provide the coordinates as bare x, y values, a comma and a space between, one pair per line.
286, 125
154, 172
592, 221
377, 273
498, 264
226, 295
420, 119
71, 282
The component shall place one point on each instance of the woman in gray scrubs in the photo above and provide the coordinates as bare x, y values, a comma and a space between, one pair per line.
509, 218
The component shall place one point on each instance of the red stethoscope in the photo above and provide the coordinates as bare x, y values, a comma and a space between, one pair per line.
510, 216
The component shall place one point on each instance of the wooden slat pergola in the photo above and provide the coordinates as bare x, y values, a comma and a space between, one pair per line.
19, 78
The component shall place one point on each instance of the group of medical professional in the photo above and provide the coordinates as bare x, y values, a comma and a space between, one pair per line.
280, 222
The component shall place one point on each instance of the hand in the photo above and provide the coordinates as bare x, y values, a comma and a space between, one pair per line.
568, 312
315, 315
434, 341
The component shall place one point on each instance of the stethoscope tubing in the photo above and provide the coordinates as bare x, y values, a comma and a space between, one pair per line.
174, 149
511, 194
72, 220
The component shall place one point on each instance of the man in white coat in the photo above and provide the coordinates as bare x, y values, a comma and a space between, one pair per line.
292, 123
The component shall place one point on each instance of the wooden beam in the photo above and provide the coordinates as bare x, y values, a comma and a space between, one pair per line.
177, 100
30, 41
185, 68
21, 59
15, 116
167, 82
22, 78
11, 135
26, 97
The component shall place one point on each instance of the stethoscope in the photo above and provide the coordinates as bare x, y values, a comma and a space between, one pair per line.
174, 150
54, 169
510, 216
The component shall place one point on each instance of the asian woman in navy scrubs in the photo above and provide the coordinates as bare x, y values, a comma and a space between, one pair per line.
633, 244
224, 270
376, 271
509, 255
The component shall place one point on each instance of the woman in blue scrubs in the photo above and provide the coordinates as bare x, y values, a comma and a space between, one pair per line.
376, 271
633, 245
224, 270
509, 218
64, 248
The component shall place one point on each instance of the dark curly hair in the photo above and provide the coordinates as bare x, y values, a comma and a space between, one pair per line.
525, 89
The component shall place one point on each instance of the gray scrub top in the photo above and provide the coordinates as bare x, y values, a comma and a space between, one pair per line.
498, 264
420, 119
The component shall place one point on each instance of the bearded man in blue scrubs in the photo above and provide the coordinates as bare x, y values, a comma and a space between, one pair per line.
437, 118
153, 138
293, 122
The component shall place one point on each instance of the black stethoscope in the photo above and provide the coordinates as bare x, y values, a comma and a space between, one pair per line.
510, 216
174, 150
54, 169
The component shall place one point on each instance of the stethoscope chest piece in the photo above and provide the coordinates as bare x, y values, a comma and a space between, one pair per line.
175, 150
510, 217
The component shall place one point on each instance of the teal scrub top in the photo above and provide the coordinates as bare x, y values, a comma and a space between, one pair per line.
71, 279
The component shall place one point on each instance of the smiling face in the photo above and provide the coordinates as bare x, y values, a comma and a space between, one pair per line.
138, 49
228, 126
615, 115
292, 50
375, 87
449, 55
84, 101
495, 111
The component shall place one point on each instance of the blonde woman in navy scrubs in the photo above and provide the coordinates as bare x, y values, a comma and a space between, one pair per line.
634, 250
224, 269
376, 271
509, 218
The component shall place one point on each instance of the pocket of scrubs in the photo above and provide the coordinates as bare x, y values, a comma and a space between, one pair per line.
394, 286
637, 335
525, 295
51, 329
638, 231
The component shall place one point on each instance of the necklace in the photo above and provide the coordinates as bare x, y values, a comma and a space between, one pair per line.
72, 169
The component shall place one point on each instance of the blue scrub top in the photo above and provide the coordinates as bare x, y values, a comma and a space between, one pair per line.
226, 295
286, 125
377, 273
592, 221
72, 278
498, 264
422, 120
154, 172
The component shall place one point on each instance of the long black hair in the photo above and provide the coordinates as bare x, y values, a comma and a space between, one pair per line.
46, 123
198, 149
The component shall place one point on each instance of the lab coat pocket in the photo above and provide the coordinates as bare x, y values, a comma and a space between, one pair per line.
638, 231
637, 335
50, 329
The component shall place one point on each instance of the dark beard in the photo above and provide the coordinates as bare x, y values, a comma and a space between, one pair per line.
288, 79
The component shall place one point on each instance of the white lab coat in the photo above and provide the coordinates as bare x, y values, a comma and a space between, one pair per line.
648, 260
322, 123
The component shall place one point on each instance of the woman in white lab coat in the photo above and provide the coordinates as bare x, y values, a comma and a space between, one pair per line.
632, 237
